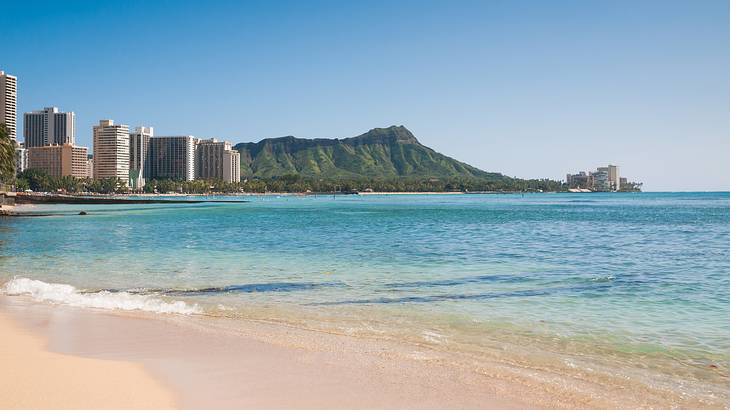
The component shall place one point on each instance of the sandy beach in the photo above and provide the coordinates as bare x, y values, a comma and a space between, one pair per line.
128, 361
35, 378
135, 360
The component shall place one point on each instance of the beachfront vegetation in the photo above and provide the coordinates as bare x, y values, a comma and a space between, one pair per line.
7, 156
631, 187
39, 181
299, 184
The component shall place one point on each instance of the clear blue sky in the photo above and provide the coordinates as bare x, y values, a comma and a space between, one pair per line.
530, 89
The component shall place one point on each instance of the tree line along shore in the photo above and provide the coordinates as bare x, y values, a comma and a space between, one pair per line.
39, 181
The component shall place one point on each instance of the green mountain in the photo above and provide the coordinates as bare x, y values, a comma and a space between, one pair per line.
379, 153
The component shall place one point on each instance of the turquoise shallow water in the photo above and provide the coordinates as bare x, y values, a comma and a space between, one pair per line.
621, 275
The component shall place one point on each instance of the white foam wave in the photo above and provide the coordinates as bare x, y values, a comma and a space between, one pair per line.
69, 295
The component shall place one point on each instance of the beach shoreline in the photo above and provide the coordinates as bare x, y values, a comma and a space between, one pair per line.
254, 339
265, 367
207, 363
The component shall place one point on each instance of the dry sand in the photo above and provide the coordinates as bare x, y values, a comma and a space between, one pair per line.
33, 378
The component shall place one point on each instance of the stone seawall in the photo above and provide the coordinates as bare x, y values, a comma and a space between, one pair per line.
7, 198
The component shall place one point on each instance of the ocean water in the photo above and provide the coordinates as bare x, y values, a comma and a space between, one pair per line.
634, 281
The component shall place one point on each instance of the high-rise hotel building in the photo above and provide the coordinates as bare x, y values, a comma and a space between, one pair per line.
49, 126
613, 179
111, 151
139, 146
217, 160
171, 158
9, 102
182, 158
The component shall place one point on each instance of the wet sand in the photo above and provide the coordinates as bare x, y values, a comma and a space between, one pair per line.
215, 363
212, 368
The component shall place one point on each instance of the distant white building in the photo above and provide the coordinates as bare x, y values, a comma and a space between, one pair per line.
600, 180
612, 178
603, 179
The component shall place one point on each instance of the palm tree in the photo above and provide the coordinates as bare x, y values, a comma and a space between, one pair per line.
7, 156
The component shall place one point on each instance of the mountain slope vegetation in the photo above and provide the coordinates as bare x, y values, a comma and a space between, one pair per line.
381, 153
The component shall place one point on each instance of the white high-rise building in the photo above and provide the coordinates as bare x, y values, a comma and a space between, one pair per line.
139, 146
49, 126
111, 151
9, 102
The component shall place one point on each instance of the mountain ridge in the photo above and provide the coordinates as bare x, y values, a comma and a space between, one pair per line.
392, 152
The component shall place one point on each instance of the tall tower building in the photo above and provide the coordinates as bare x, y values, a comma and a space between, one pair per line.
49, 127
9, 102
111, 151
217, 160
613, 177
139, 146
172, 158
232, 166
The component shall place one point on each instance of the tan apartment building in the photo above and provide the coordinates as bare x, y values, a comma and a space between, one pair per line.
59, 160
111, 151
9, 102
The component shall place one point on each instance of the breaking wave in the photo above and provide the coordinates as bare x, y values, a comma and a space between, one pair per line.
69, 295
